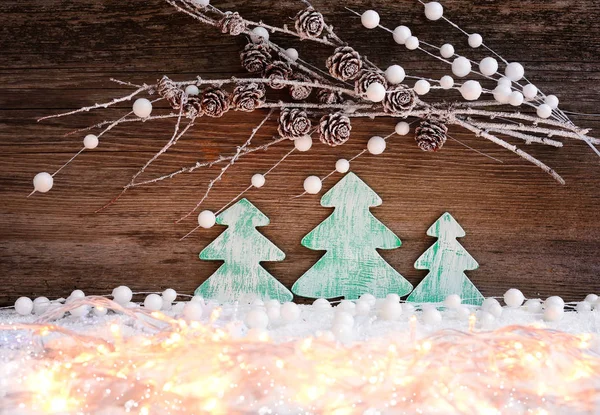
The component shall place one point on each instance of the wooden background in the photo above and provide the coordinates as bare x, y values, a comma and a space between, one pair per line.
525, 230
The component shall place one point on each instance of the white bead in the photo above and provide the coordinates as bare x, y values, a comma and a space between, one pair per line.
369, 299
422, 87
392, 297
488, 66
153, 302
42, 182
530, 91
452, 301
446, 82
259, 33
321, 304
434, 10
122, 295
257, 319
515, 98
401, 33
475, 40
99, 311
533, 305
502, 94
408, 309
484, 318
206, 219
169, 295
201, 3
552, 101
192, 311
583, 307
342, 166
514, 298
370, 19
76, 294
432, 316
471, 90
312, 185
290, 312
402, 128
495, 310
272, 303
544, 111
447, 51
346, 306
376, 145
412, 43
505, 81
461, 67
24, 306
514, 71
554, 300
80, 311
390, 310
363, 308
192, 90
274, 313
342, 317
292, 54
142, 107
375, 92
177, 308
463, 312
553, 313
303, 143
590, 298
488, 302
90, 141
40, 305
395, 74
197, 299
258, 180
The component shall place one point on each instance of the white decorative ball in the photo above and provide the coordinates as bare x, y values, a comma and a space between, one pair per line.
544, 111
412, 43
201, 3
368, 298
590, 298
197, 299
40, 305
583, 307
553, 313
453, 301
321, 304
343, 317
495, 310
76, 294
484, 318
390, 310
290, 312
363, 308
153, 302
395, 74
392, 297
24, 306
375, 92
312, 185
274, 313
514, 71
502, 94
376, 145
303, 144
505, 81
434, 10
342, 332
192, 311
432, 316
475, 40
370, 19
530, 91
463, 312
401, 33
42, 182
402, 128
99, 311
422, 87
446, 82
554, 300
488, 66
259, 33
447, 51
257, 319
488, 302
346, 306
178, 308
169, 295
292, 54
206, 219
122, 295
515, 98
461, 67
471, 90
342, 166
533, 305
272, 303
552, 101
142, 107
514, 298
192, 90
258, 180
80, 311
90, 141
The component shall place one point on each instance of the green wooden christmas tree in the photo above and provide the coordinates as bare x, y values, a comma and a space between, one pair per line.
351, 236
446, 261
242, 248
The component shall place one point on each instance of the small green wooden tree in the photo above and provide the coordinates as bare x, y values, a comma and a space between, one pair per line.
242, 248
446, 261
351, 236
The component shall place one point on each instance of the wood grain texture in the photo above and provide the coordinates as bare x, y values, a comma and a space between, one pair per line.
524, 229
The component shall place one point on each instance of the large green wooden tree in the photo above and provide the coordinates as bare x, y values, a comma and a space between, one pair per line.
446, 261
242, 247
351, 236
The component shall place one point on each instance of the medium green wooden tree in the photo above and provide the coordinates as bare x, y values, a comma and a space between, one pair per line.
242, 248
351, 236
446, 261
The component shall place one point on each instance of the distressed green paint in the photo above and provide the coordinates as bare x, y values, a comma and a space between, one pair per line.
242, 247
350, 235
446, 261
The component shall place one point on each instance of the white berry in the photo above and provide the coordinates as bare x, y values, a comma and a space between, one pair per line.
514, 71
401, 33
488, 302
390, 310
461, 67
471, 90
434, 10
505, 81
402, 128
342, 166
122, 295
395, 74
321, 304
452, 301
153, 302
591, 298
544, 111
376, 145
530, 91
259, 33
533, 305
368, 298
432, 316
42, 182
90, 141
370, 19
553, 313
514, 298
292, 54
502, 94
412, 43
495, 310
24, 306
206, 219
375, 92
192, 90
583, 307
40, 305
290, 312
142, 107
257, 319
515, 98
552, 101
99, 311
475, 40
169, 295
303, 144
312, 185
76, 294
554, 300
446, 82
488, 66
258, 180
80, 311
201, 3
343, 317
392, 297
447, 50
422, 87
192, 311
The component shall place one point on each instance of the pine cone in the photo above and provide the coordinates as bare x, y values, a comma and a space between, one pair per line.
300, 92
367, 77
193, 107
327, 96
335, 129
344, 64
399, 99
278, 70
167, 89
215, 102
309, 23
247, 96
255, 57
232, 23
293, 123
430, 135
